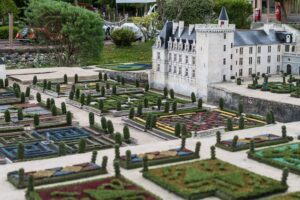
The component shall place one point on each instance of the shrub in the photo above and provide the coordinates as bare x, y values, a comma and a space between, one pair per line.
105, 77
100, 77
167, 107
252, 146
174, 106
128, 156
241, 123
218, 134
137, 83
101, 105
69, 118
20, 114
269, 118
97, 87
4, 32
153, 121
140, 110
235, 141
158, 103
131, 113
123, 81
82, 145
27, 93
221, 103
1, 83
107, 85
77, 93
103, 91
283, 131
239, 81
241, 108
44, 84
20, 151
65, 79
36, 120
145, 164
110, 127
193, 97
123, 37
21, 176
91, 118
49, 84
177, 130
118, 138
213, 152
7, 117
229, 124
117, 151
183, 130
61, 149
104, 162
148, 122
94, 156
54, 110
272, 117
200, 103
63, 108
30, 186
117, 168
48, 103
104, 123
6, 83
146, 102
172, 95
126, 134
165, 92
114, 90
147, 87
183, 142
284, 177
58, 88
119, 105
82, 99
197, 149
38, 97
76, 78
88, 99
23, 98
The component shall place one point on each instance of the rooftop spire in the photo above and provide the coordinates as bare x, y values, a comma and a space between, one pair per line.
223, 15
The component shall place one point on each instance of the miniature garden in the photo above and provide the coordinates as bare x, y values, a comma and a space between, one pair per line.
289, 196
280, 156
213, 177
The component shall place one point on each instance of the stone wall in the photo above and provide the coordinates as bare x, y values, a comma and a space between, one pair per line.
283, 112
131, 76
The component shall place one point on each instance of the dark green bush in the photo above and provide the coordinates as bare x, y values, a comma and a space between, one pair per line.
4, 32
123, 37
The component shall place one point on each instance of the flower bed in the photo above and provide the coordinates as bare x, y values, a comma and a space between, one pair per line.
207, 178
158, 157
259, 141
281, 156
58, 174
107, 189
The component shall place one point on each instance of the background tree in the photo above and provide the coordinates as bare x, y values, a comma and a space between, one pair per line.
6, 7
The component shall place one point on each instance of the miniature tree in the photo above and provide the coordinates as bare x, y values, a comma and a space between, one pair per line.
183, 130
104, 123
38, 97
283, 131
54, 110
197, 149
94, 156
213, 152
7, 117
65, 79
252, 146
110, 127
97, 87
145, 164
283, 78
146, 102
241, 122
126, 134
128, 157
21, 176
147, 87
119, 105
27, 93
77, 93
104, 162
61, 149
158, 103
58, 88
117, 168
272, 117
101, 104
105, 77
200, 104
35, 80
153, 121
118, 78
100, 77
69, 118
140, 110
118, 138
229, 124
82, 99
167, 107
172, 95
107, 85
131, 113
76, 78
1, 83
52, 102
114, 90
218, 134
73, 88
20, 114
48, 103
103, 91
71, 95
20, 151
193, 97
137, 83
30, 186
23, 98
269, 118
36, 120
183, 142
82, 145
6, 83
221, 103
174, 106
235, 141
284, 177
123, 81
166, 92
177, 129
88, 99
117, 151
63, 108
49, 85
148, 122
91, 118
241, 108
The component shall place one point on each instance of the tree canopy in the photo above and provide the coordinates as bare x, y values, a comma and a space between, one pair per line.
76, 30
8, 6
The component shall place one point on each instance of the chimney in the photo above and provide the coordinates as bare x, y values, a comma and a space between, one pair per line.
181, 28
191, 28
175, 26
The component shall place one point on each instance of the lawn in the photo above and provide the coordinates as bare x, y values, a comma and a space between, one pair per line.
105, 189
281, 156
213, 178
139, 52
289, 196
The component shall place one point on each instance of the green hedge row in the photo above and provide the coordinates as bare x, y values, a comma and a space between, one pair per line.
4, 32
11, 129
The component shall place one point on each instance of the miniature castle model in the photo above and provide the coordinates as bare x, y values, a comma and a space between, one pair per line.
2, 69
189, 59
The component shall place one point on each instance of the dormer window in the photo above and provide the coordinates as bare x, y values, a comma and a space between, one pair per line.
158, 43
175, 45
170, 44
194, 48
187, 46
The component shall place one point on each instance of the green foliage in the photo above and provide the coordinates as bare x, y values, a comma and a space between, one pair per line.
7, 117
91, 118
30, 187
213, 152
128, 156
193, 97
77, 93
38, 97
147, 87
197, 149
117, 151
94, 156
49, 84
105, 77
4, 29
20, 114
146, 102
20, 151
36, 120
126, 134
123, 81
145, 164
63, 108
158, 103
117, 168
114, 89
21, 176
140, 110
118, 138
27, 94
23, 98
107, 85
119, 106
58, 88
81, 29
238, 11
123, 37
172, 94
166, 92
283, 131
76, 79
54, 110
221, 103
177, 130
153, 121
103, 91
48, 103
229, 124
61, 149
97, 87
101, 104
88, 99
82, 145
167, 107
200, 104
241, 122
110, 127
69, 118
100, 76
218, 135
104, 123
131, 113
148, 122
82, 99
45, 84
235, 141
183, 142
104, 162
137, 83
285, 174
183, 130
174, 106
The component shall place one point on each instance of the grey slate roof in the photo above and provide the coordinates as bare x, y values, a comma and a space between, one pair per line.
223, 14
257, 37
1, 62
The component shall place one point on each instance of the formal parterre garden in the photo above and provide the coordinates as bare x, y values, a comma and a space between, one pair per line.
213, 178
237, 144
20, 178
111, 188
280, 156
289, 85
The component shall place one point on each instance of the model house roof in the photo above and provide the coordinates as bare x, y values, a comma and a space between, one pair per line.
1, 62
223, 15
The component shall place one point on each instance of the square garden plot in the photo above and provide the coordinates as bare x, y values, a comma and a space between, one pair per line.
213, 178
105, 189
280, 156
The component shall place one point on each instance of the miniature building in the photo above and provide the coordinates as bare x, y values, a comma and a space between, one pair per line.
188, 59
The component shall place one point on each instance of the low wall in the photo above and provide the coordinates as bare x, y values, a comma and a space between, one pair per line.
283, 112
208, 133
130, 75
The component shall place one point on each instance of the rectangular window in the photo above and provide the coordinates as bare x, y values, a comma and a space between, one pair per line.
241, 61
170, 56
268, 70
258, 49
250, 50
187, 59
224, 35
224, 61
194, 60
180, 58
241, 50
175, 70
269, 49
269, 59
249, 71
278, 69
250, 60
175, 57
186, 72
158, 67
179, 71
224, 48
158, 55
241, 72
278, 58
287, 48
230, 67
258, 60
278, 48
170, 68
194, 73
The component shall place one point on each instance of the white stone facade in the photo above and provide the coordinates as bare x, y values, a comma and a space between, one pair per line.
2, 70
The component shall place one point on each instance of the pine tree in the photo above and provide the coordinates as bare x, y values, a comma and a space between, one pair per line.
131, 113
235, 141
177, 130
118, 78
153, 121
148, 122
123, 81
126, 134
97, 87
36, 120
20, 114
200, 104
88, 99
105, 77
44, 84
91, 118
30, 186
54, 110
107, 85
183, 142
65, 79
110, 127
6, 83
137, 83
71, 95
117, 168
193, 97
77, 93
114, 90
63, 108
146, 102
128, 157
269, 118
272, 117
241, 108
183, 130
82, 145
20, 151
49, 85
172, 95
167, 107
58, 88
1, 83
94, 156
158, 103
118, 138
7, 116
252, 146
147, 87
69, 118
48, 103
104, 162
82, 99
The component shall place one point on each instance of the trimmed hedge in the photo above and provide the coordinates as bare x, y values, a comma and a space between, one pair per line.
11, 129
4, 32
